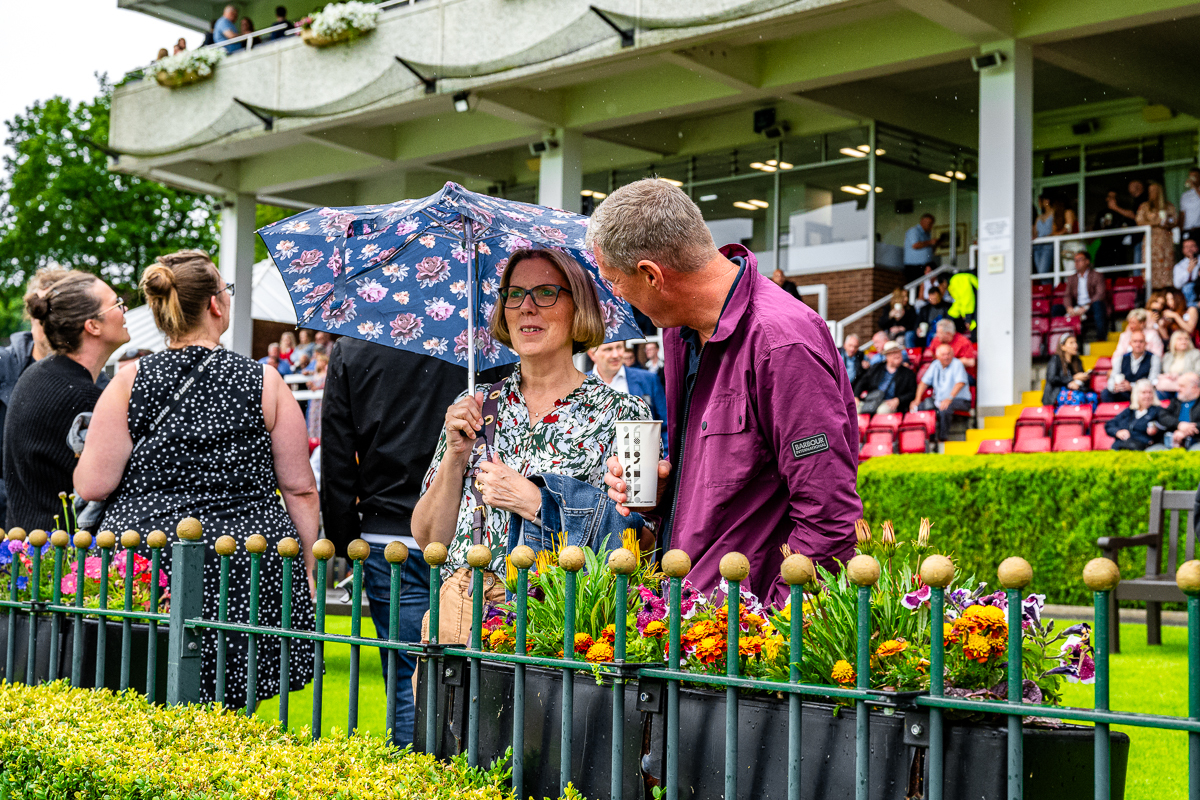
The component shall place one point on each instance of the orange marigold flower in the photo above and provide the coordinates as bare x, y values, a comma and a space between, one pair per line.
498, 639
750, 645
772, 646
842, 672
656, 629
710, 649
985, 619
609, 634
583, 642
599, 652
891, 647
977, 648
949, 633
705, 629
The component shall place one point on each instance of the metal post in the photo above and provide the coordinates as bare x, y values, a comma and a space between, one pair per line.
288, 549
622, 563
1016, 742
105, 540
129, 540
226, 546
435, 556
1102, 749
82, 541
59, 540
937, 688
733, 572
673, 651
187, 602
396, 553
34, 550
862, 719
323, 550
1193, 608
156, 541
10, 667
475, 643
357, 556
571, 560
797, 572
256, 544
522, 558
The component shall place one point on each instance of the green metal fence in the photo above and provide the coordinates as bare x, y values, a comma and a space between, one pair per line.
186, 623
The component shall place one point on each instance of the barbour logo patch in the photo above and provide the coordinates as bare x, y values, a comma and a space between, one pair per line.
802, 448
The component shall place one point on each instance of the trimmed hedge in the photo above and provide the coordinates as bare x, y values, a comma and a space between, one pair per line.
86, 744
1048, 508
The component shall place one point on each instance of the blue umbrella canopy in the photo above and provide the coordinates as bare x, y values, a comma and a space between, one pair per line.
424, 275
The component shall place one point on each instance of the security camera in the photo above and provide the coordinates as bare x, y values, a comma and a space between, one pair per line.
987, 61
539, 148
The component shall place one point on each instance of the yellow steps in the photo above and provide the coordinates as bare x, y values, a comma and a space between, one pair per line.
960, 448
1089, 362
1007, 421
1033, 398
1100, 349
977, 435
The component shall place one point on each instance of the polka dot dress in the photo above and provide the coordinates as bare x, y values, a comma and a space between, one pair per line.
211, 459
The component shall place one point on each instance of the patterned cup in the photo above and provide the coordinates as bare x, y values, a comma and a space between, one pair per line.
637, 449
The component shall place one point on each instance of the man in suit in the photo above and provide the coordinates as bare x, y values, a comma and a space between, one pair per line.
1086, 296
610, 368
1135, 365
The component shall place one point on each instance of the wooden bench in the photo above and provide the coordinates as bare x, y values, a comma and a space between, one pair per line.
1169, 511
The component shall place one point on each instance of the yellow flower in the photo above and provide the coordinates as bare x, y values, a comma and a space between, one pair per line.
599, 652
843, 673
583, 642
772, 646
750, 645
609, 634
891, 647
710, 649
977, 648
656, 629
629, 540
499, 639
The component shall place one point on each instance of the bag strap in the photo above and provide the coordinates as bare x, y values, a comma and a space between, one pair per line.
177, 397
484, 447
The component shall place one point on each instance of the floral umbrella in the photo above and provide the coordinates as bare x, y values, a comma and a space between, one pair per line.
424, 275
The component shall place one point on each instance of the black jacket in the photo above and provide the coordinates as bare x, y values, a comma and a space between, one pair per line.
905, 388
1139, 439
1170, 417
1058, 375
886, 323
381, 415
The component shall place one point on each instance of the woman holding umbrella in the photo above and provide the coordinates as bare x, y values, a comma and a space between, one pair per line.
549, 419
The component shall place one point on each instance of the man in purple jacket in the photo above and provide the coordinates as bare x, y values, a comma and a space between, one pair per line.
763, 428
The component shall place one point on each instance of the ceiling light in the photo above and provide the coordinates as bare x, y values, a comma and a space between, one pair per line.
707, 198
878, 189
866, 148
880, 151
939, 178
852, 190
866, 187
599, 195
671, 181
960, 176
759, 203
769, 169
585, 192
461, 102
756, 165
744, 205
850, 151
784, 165
772, 162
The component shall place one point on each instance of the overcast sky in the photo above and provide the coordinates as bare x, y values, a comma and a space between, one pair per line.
55, 46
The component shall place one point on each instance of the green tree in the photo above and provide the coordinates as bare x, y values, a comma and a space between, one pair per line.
59, 203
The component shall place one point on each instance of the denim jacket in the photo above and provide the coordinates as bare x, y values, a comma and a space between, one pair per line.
585, 513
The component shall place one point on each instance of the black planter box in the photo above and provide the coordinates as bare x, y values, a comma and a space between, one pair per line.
1058, 762
140, 637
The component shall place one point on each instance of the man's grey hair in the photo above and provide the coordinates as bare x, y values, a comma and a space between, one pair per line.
1189, 377
946, 325
650, 220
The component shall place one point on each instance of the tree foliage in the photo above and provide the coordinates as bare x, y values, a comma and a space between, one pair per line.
65, 206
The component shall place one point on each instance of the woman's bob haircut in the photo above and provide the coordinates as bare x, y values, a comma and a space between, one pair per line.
587, 329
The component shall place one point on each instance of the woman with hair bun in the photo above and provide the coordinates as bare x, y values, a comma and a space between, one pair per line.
223, 452
83, 321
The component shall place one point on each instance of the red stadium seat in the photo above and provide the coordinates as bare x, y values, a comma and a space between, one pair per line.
873, 451
1106, 411
1042, 290
1063, 324
926, 418
1067, 429
929, 356
880, 436
1080, 414
1041, 326
1103, 363
994, 446
1041, 307
1125, 293
921, 372
890, 422
864, 420
1060, 291
914, 357
913, 438
1100, 438
1072, 444
1099, 381
1034, 444
1034, 422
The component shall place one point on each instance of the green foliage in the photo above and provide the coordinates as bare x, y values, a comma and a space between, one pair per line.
264, 216
58, 742
1048, 508
66, 207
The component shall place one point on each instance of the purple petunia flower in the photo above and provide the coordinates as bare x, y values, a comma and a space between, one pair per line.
917, 599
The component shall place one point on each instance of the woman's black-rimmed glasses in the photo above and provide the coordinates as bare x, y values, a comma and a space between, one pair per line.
543, 296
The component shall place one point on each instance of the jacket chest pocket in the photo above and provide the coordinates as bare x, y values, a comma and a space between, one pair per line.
731, 448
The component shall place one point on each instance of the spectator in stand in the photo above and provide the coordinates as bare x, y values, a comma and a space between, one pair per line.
208, 36
1048, 223
851, 358
1125, 213
1187, 270
245, 26
307, 345
1136, 365
1182, 419
934, 309
323, 341
180, 46
1066, 379
1142, 424
273, 358
1070, 221
1174, 314
778, 278
226, 28
962, 289
923, 289
1162, 219
948, 379
873, 353
629, 358
918, 248
961, 346
898, 319
888, 386
83, 320
280, 19
1086, 297
287, 346
614, 372
1136, 322
1181, 358
162, 53
654, 363
1189, 206
314, 405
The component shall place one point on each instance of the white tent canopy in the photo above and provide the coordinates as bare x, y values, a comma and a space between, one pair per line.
269, 302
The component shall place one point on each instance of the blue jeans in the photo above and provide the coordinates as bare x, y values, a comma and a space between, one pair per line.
414, 602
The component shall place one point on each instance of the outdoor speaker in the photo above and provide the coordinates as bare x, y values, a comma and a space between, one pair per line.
763, 118
1085, 127
904, 206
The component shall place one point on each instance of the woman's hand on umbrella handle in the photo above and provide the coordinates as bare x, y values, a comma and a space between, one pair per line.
463, 419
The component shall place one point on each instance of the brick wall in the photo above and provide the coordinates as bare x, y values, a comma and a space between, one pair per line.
850, 290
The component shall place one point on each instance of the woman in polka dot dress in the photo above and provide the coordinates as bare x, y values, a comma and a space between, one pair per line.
234, 441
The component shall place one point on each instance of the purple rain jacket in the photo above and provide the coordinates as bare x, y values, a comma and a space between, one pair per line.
765, 450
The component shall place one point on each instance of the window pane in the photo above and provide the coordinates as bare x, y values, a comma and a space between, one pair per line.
739, 212
824, 218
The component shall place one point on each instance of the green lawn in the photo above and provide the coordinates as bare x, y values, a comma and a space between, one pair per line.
1145, 679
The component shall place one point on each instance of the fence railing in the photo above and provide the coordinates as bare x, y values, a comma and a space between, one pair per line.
186, 621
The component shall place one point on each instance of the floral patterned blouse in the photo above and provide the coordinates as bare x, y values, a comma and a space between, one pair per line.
575, 438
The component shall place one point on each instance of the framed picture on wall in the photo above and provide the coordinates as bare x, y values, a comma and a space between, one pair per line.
941, 235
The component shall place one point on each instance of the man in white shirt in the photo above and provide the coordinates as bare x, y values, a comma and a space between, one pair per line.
1132, 367
610, 368
1189, 205
654, 362
1187, 270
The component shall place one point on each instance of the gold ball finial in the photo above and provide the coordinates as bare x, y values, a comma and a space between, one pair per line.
479, 556
937, 571
734, 567
1187, 577
863, 570
225, 546
288, 547
622, 562
436, 554
60, 538
522, 556
571, 558
1101, 574
676, 564
38, 537
82, 540
16, 534
797, 570
1014, 573
358, 550
256, 543
156, 540
130, 540
396, 552
189, 528
323, 549
106, 540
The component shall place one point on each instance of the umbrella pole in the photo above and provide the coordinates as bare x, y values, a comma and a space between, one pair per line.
469, 247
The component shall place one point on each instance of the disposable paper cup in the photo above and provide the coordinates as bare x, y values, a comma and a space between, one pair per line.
637, 448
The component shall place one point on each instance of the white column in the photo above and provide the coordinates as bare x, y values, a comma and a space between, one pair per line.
1005, 197
237, 266
561, 175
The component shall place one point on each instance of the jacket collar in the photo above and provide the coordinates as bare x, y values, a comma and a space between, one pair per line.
739, 296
